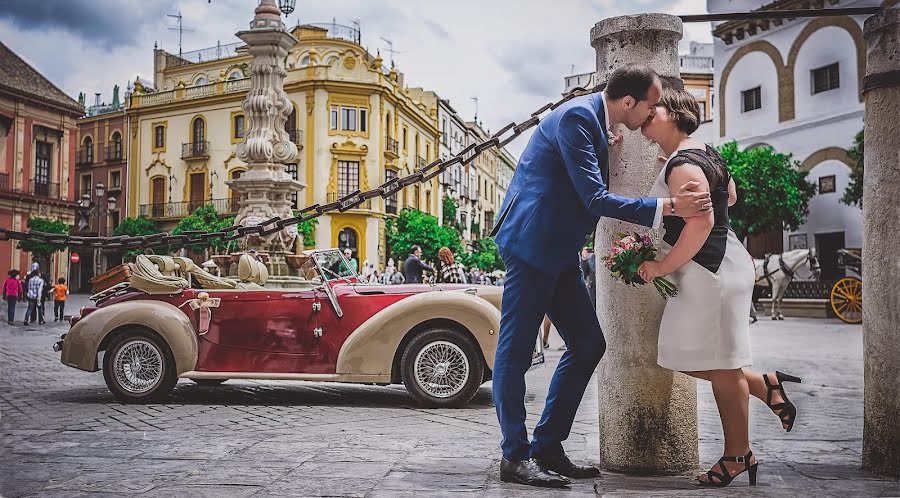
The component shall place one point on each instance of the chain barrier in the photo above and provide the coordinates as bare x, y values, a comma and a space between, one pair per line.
276, 224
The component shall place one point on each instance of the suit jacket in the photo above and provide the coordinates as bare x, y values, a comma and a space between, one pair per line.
413, 269
559, 190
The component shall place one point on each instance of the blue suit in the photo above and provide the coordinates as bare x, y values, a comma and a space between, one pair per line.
557, 195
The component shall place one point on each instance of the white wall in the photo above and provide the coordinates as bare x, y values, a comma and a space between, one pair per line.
827, 213
826, 46
753, 70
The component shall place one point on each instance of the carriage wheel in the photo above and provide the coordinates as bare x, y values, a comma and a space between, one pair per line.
846, 299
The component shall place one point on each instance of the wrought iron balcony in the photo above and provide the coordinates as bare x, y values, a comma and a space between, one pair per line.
333, 196
42, 189
84, 156
181, 209
112, 153
195, 150
391, 148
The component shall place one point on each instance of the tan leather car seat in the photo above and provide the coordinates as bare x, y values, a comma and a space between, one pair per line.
252, 271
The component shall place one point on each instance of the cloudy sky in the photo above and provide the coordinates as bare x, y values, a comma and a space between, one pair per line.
511, 54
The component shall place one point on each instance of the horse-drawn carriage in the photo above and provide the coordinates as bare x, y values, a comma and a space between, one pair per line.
846, 293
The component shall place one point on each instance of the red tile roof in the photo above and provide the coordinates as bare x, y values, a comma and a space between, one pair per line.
18, 77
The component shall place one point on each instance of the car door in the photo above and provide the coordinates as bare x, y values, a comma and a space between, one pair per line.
261, 331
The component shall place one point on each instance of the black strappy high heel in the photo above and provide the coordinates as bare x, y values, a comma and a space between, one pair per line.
788, 412
725, 478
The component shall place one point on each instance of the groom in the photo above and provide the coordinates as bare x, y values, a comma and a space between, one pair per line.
557, 195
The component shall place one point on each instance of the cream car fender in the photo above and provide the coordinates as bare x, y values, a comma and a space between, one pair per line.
371, 347
83, 340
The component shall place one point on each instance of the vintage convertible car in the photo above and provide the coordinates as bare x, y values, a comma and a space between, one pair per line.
170, 319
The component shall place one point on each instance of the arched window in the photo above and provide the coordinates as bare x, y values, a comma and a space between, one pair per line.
304, 61
233, 196
201, 80
157, 197
331, 60
117, 145
198, 136
236, 75
348, 238
88, 150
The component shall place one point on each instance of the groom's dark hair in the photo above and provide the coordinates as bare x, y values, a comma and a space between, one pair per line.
633, 80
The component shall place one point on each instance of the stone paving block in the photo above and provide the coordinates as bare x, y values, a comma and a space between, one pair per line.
213, 491
313, 487
358, 470
448, 465
358, 455
427, 482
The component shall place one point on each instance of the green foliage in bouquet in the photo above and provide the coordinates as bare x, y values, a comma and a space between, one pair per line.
627, 254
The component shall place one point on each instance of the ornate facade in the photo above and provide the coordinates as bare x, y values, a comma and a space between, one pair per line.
354, 123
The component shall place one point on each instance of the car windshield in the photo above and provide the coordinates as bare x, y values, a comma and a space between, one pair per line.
331, 265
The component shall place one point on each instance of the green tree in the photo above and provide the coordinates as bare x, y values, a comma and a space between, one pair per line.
206, 219
773, 194
41, 251
307, 230
136, 227
485, 255
450, 208
853, 195
413, 227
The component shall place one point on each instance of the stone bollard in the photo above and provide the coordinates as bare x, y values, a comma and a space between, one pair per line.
648, 415
880, 264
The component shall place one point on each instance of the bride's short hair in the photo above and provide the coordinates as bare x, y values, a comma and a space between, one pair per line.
682, 107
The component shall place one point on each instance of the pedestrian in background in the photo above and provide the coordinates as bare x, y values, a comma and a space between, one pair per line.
46, 295
451, 272
60, 291
12, 290
35, 289
414, 267
589, 270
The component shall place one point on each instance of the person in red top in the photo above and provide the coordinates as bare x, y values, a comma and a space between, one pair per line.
60, 291
12, 290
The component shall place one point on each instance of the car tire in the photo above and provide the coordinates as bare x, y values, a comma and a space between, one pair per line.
451, 359
139, 367
208, 382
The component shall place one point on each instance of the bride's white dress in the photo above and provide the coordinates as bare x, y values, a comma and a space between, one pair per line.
706, 326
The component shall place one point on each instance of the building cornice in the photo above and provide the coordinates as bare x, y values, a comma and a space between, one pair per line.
734, 31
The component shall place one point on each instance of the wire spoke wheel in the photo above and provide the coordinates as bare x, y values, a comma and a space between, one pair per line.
846, 299
138, 366
441, 369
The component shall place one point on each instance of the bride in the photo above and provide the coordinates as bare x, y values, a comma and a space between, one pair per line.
714, 275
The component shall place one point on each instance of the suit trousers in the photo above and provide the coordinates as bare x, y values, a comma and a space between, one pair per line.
528, 294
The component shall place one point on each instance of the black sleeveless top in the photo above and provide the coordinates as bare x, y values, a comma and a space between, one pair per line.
712, 253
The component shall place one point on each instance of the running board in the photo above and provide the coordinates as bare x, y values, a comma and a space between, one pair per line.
349, 378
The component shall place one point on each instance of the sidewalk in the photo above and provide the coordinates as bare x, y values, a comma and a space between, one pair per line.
64, 435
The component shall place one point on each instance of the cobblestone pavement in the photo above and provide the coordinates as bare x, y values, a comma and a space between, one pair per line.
64, 435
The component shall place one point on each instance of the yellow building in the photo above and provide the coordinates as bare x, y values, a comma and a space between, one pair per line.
486, 166
354, 123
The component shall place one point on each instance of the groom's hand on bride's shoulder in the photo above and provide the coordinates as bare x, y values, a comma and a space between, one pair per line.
691, 201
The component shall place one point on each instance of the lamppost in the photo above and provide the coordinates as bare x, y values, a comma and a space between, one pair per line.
97, 208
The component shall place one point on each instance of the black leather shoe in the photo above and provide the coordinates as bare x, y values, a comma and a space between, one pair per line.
563, 466
530, 473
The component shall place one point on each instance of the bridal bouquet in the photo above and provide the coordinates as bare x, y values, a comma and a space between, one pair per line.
626, 255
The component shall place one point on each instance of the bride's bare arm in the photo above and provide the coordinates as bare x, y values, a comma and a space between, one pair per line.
696, 228
732, 192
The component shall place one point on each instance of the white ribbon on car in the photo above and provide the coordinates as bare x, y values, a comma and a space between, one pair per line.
204, 303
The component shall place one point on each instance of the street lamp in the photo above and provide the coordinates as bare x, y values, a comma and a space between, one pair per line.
96, 208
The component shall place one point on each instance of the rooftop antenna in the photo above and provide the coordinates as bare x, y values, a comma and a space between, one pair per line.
181, 29
476, 108
573, 69
390, 49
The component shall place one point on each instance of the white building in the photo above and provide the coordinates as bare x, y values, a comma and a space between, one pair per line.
795, 85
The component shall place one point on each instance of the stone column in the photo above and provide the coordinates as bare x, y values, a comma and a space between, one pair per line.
265, 188
881, 265
648, 415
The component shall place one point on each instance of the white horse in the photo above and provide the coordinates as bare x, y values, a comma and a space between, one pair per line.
778, 270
